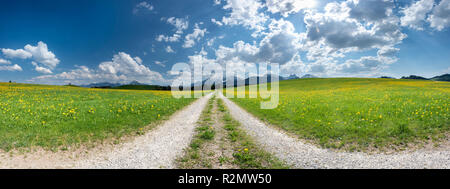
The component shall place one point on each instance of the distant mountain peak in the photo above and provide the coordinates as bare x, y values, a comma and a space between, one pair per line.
443, 77
101, 85
293, 76
414, 77
135, 83
309, 76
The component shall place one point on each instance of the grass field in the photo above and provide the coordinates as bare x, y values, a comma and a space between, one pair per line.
359, 114
55, 117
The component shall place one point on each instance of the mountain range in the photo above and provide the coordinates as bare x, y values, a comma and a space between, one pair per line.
251, 80
444, 77
110, 85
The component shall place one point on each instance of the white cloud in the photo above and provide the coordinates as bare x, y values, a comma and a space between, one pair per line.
211, 41
370, 10
138, 60
440, 17
143, 5
180, 24
39, 54
338, 30
286, 7
281, 44
351, 26
174, 38
294, 67
364, 64
169, 49
14, 67
19, 53
341, 28
415, 14
388, 51
216, 22
160, 63
240, 50
41, 69
3, 61
122, 68
246, 13
193, 37
436, 15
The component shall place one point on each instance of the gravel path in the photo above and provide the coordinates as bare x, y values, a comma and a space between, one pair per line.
303, 155
156, 149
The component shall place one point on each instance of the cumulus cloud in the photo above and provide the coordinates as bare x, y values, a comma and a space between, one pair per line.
415, 14
41, 69
294, 67
193, 37
3, 61
286, 7
240, 50
39, 53
122, 68
138, 60
160, 63
369, 10
143, 6
14, 67
427, 11
350, 26
211, 41
364, 64
246, 13
369, 64
279, 45
169, 49
440, 17
341, 30
180, 25
213, 20
388, 51
19, 53
174, 38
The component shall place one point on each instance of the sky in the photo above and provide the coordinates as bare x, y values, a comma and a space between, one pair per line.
90, 41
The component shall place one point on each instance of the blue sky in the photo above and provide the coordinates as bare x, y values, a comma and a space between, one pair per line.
86, 41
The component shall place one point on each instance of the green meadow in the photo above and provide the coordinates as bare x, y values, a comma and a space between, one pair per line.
359, 114
57, 117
